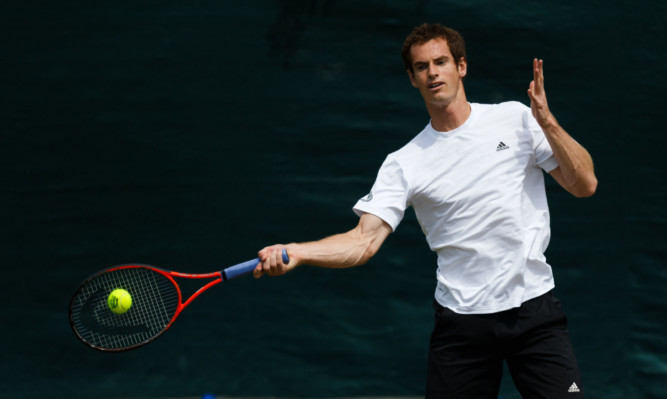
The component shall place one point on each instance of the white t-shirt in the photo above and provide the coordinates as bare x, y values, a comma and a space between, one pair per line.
478, 193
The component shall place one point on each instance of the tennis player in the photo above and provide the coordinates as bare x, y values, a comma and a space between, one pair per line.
474, 178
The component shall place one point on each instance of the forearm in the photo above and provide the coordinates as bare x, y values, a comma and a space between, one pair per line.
349, 249
337, 251
577, 174
575, 166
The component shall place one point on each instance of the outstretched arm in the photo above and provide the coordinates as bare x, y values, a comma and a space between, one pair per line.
575, 171
349, 249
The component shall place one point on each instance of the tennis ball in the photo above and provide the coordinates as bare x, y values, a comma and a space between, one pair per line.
119, 301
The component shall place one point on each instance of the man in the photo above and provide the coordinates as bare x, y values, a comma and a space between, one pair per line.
474, 178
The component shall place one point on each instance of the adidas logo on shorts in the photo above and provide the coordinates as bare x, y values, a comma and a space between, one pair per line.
573, 388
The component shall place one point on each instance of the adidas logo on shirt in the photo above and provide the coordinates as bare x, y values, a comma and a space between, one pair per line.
502, 146
573, 388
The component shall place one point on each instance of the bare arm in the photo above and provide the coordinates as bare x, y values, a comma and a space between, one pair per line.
349, 249
575, 171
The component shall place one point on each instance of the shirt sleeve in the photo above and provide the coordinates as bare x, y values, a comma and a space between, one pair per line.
544, 156
388, 198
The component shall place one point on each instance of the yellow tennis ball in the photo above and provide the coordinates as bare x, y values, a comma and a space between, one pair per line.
119, 301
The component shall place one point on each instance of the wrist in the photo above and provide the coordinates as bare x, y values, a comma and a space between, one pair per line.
548, 123
295, 254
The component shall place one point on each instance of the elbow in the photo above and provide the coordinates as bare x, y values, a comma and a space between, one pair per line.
366, 255
367, 250
368, 237
587, 189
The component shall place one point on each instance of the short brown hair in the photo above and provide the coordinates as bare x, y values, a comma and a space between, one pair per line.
425, 32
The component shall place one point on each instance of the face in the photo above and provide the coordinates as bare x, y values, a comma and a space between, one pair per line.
435, 73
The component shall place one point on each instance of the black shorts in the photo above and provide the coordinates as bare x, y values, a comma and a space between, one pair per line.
467, 351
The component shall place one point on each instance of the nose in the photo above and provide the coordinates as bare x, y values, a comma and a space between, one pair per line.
432, 70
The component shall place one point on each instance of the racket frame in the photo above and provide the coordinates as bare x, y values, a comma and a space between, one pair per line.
218, 277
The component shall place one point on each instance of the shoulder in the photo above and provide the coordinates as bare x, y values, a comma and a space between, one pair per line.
414, 147
510, 112
511, 107
406, 161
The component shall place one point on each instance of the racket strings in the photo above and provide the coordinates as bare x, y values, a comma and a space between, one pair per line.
154, 302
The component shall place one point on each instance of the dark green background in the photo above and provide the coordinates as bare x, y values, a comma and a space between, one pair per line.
189, 134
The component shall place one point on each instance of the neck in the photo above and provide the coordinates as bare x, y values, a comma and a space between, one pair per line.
445, 118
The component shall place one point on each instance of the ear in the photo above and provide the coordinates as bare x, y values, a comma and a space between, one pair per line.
411, 75
463, 68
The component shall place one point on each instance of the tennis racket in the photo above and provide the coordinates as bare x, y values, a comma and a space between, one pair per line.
155, 305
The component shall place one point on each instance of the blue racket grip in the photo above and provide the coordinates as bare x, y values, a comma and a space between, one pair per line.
246, 267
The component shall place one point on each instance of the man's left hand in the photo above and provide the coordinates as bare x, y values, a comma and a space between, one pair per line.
538, 97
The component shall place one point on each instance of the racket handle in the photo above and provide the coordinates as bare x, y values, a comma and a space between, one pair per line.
244, 268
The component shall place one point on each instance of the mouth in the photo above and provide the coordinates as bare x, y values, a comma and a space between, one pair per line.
435, 85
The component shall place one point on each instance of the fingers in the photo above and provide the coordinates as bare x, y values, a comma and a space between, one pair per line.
538, 73
271, 262
536, 87
531, 90
537, 94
